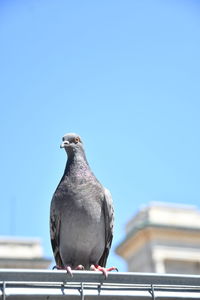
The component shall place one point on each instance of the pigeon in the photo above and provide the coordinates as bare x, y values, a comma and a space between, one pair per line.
81, 214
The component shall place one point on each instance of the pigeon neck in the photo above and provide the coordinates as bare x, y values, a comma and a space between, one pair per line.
76, 157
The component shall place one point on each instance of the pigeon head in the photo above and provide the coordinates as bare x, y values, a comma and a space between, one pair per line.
71, 143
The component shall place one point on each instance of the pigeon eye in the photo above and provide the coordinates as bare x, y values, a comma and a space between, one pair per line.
77, 139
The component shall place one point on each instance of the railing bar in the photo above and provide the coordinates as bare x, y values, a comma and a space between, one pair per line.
96, 277
152, 292
4, 290
82, 291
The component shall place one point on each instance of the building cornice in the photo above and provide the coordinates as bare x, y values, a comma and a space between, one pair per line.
147, 232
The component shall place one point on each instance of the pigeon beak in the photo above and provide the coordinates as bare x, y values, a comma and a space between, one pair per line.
64, 144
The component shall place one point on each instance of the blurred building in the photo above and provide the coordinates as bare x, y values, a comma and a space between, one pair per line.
163, 238
22, 253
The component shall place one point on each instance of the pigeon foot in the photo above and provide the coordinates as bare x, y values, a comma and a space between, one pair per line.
69, 269
80, 267
102, 269
66, 268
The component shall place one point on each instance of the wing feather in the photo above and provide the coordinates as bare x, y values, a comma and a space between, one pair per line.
109, 223
55, 237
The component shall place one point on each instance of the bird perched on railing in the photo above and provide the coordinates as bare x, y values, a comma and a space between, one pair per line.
81, 215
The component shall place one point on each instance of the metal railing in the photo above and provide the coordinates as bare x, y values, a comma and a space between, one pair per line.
46, 284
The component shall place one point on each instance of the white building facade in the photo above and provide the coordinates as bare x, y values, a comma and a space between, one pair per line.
22, 253
163, 238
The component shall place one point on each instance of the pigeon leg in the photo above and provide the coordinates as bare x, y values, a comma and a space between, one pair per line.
102, 269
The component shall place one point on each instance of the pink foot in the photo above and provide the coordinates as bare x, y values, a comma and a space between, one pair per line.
69, 269
103, 270
79, 267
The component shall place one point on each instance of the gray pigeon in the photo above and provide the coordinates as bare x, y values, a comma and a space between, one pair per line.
81, 216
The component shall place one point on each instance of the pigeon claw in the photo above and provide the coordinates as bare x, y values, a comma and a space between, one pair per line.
69, 270
102, 269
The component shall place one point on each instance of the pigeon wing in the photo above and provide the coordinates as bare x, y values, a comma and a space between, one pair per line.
109, 222
55, 236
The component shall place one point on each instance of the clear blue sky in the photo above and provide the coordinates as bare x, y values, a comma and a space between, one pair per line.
125, 75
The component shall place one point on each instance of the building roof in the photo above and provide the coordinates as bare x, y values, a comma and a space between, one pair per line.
166, 214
